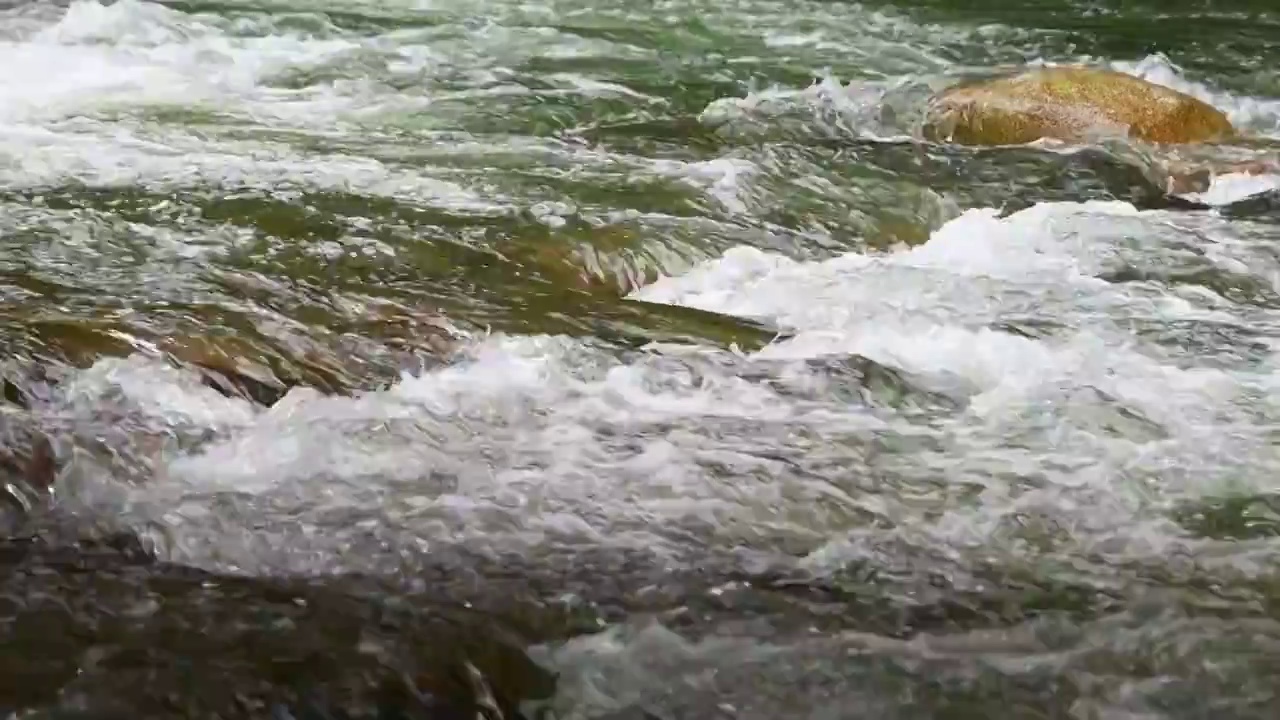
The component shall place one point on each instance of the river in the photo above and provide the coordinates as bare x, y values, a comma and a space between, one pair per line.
627, 360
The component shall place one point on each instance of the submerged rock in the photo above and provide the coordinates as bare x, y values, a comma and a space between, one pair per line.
105, 632
27, 467
1071, 104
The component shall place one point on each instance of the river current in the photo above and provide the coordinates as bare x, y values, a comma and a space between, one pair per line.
652, 335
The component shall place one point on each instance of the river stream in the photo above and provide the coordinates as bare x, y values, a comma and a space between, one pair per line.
426, 359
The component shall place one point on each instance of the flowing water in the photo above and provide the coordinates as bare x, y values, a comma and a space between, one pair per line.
649, 337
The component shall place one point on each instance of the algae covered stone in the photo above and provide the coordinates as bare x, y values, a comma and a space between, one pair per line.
1072, 104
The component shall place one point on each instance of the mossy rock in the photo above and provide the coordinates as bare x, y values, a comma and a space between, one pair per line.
1072, 104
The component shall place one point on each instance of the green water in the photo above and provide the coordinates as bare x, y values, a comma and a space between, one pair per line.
626, 360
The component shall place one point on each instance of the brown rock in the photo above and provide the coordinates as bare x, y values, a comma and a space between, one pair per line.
1071, 104
1185, 178
228, 366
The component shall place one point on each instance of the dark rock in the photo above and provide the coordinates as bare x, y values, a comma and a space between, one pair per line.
101, 630
28, 468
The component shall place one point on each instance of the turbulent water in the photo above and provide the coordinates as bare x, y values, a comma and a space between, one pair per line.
649, 336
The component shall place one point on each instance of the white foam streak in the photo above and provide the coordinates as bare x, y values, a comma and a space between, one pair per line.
1041, 328
136, 52
1254, 115
930, 310
1233, 187
543, 439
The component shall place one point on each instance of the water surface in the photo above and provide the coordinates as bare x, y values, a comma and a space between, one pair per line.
648, 337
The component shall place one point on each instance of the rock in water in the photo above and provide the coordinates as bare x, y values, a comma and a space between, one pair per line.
1072, 104
100, 630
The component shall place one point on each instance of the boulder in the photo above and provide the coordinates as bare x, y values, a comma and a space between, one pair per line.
1072, 104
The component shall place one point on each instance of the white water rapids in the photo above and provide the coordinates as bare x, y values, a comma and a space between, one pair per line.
1061, 378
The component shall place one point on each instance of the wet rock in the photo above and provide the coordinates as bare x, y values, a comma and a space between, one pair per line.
105, 632
100, 629
1238, 517
1187, 178
13, 393
228, 367
27, 468
1072, 104
608, 260
630, 713
1263, 207
25, 383
864, 381
423, 331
